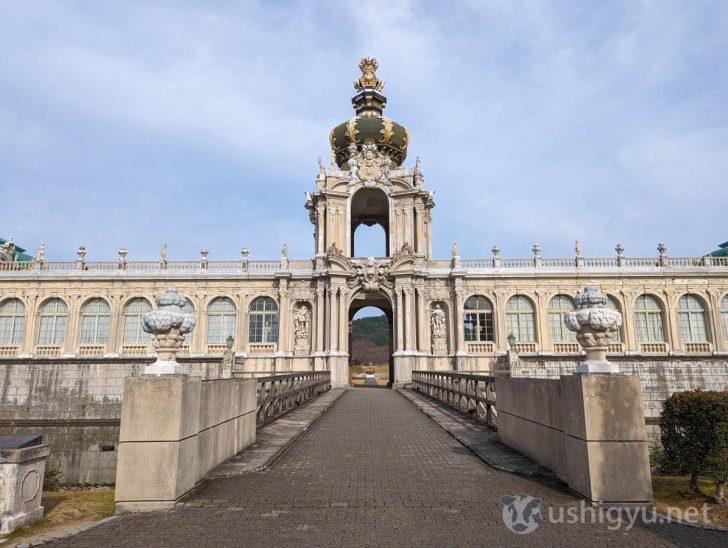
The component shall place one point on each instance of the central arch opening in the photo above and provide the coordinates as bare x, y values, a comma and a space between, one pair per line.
370, 342
369, 207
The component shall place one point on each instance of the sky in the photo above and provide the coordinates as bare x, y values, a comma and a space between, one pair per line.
199, 124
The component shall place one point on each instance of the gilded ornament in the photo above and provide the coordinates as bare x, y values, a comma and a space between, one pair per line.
351, 130
368, 78
388, 130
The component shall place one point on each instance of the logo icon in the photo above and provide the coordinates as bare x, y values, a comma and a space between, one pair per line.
521, 513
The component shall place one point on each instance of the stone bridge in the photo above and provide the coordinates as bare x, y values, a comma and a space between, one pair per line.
368, 467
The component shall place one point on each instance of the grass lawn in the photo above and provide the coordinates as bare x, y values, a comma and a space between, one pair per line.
674, 491
65, 511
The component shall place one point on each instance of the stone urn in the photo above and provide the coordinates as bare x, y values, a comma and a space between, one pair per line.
594, 324
168, 325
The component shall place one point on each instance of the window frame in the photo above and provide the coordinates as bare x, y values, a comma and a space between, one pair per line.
56, 319
479, 315
645, 317
100, 328
141, 337
263, 324
12, 322
523, 318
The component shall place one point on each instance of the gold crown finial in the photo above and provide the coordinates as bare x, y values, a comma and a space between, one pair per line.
368, 78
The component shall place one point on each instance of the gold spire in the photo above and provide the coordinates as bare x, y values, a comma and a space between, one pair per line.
368, 78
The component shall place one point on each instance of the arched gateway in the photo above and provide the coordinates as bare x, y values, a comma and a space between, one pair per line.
367, 183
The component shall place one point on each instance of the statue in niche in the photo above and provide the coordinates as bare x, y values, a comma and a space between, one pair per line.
301, 327
438, 326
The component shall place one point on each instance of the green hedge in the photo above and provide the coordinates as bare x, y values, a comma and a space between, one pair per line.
695, 435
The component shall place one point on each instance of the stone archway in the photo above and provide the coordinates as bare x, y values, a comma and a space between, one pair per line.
382, 302
369, 206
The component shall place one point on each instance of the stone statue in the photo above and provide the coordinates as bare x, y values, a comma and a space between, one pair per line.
353, 165
321, 166
40, 255
163, 254
438, 329
301, 328
334, 251
455, 250
7, 250
577, 248
284, 251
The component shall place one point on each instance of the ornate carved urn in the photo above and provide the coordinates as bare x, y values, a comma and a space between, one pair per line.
594, 324
168, 325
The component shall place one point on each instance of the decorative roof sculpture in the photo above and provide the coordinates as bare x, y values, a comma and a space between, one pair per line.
369, 126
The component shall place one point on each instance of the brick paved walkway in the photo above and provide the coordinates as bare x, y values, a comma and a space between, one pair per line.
374, 471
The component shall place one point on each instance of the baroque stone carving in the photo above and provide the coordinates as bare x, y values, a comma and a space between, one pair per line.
7, 250
168, 325
594, 324
372, 275
302, 327
369, 166
405, 252
438, 328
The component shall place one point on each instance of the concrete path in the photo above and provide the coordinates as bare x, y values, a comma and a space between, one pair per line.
375, 471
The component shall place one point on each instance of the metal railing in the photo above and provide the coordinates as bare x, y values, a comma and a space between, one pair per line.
470, 394
278, 394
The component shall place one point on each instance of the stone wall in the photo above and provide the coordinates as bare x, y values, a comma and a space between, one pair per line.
75, 404
659, 377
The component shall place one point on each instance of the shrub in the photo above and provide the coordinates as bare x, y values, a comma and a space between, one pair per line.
695, 436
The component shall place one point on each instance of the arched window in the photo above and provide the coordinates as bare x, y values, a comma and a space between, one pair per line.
263, 321
478, 319
557, 329
133, 332
724, 315
616, 335
52, 323
95, 316
191, 309
12, 322
220, 320
520, 319
691, 317
648, 319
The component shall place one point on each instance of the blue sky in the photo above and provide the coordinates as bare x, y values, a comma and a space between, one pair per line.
198, 124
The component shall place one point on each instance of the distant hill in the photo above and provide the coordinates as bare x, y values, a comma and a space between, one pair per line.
370, 340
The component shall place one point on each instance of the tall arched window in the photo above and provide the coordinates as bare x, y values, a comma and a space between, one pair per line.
220, 320
557, 329
263, 321
520, 319
12, 322
95, 316
191, 309
724, 315
612, 303
52, 321
648, 319
478, 319
691, 317
133, 332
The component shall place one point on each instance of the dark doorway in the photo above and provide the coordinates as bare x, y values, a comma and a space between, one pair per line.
369, 207
370, 342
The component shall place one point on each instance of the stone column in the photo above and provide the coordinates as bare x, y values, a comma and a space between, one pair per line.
716, 322
333, 314
320, 325
112, 343
241, 323
398, 315
422, 326
284, 313
499, 316
343, 321
672, 329
630, 337
594, 324
30, 335
320, 228
542, 320
459, 333
407, 319
73, 335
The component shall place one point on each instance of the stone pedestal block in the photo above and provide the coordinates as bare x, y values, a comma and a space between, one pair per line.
21, 486
607, 457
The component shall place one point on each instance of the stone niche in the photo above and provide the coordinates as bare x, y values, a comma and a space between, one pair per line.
22, 467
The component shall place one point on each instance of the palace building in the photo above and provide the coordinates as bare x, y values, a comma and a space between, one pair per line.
70, 332
289, 315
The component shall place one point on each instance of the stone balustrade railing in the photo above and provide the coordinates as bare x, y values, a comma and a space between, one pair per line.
471, 394
278, 394
308, 265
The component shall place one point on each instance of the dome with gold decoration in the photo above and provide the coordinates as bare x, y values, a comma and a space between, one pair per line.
369, 126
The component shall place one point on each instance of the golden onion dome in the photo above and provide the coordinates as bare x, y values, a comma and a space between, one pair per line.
369, 125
